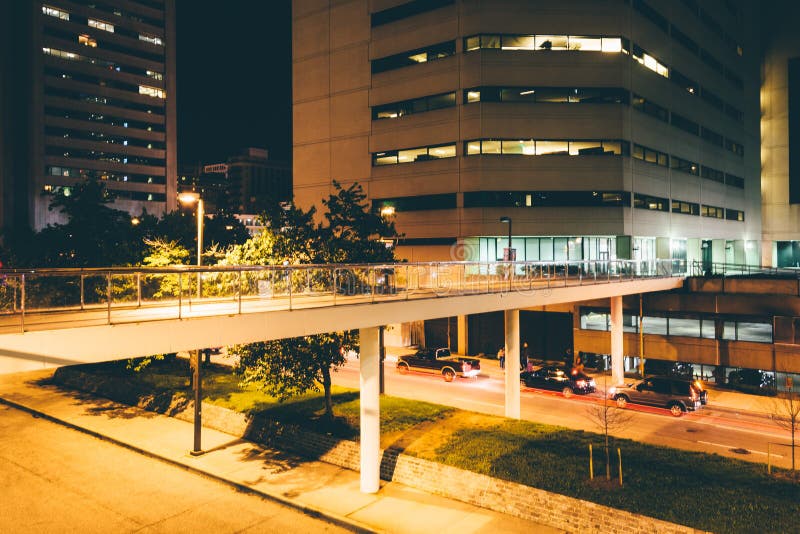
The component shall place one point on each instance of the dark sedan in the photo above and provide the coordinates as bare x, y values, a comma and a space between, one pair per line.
559, 379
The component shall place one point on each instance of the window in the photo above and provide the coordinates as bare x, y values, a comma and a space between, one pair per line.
651, 156
654, 16
413, 57
418, 105
685, 208
734, 181
416, 203
545, 199
647, 202
575, 43
649, 61
530, 147
712, 211
734, 113
101, 25
155, 75
406, 10
734, 147
84, 39
55, 12
152, 91
712, 174
646, 106
685, 124
413, 155
734, 215
683, 165
711, 136
152, 39
684, 82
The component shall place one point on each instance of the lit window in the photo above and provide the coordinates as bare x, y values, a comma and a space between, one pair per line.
101, 25
152, 91
53, 12
155, 75
84, 39
151, 39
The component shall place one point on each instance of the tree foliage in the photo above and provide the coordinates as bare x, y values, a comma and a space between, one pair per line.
348, 234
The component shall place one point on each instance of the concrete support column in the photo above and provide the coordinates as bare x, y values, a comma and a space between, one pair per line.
369, 365
617, 362
463, 335
512, 363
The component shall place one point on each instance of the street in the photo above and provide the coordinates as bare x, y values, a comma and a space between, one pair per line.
56, 479
736, 435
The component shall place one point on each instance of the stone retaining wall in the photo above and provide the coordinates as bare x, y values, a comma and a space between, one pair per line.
567, 513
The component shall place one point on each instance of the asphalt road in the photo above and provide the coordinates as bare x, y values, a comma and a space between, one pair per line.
708, 430
50, 484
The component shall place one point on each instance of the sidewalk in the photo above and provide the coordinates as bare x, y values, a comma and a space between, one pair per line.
317, 488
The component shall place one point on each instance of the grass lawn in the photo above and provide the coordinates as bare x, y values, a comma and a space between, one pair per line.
704, 491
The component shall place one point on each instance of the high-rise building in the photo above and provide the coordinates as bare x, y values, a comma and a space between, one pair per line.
88, 91
597, 129
780, 135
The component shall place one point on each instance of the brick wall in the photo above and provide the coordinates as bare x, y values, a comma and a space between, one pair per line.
566, 513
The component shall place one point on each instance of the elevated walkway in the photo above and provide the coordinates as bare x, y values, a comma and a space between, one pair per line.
63, 317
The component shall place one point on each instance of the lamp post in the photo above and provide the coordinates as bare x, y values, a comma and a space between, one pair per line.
187, 199
509, 256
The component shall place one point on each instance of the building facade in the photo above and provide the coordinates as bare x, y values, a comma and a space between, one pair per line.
780, 135
599, 129
89, 93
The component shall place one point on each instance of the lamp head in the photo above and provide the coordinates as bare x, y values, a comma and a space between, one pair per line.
188, 198
505, 219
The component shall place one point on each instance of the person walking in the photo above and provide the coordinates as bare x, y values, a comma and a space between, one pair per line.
524, 356
501, 355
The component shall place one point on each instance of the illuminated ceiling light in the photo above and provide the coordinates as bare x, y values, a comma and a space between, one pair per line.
387, 211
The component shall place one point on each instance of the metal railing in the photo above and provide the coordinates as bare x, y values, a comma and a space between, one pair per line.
59, 298
700, 268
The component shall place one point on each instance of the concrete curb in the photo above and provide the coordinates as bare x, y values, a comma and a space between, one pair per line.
311, 511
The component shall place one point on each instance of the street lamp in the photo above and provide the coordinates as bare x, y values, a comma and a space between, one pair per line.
510, 255
187, 199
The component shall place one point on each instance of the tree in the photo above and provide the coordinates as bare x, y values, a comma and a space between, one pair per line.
608, 419
786, 414
288, 367
350, 234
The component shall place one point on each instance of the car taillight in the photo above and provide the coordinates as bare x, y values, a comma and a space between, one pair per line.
581, 383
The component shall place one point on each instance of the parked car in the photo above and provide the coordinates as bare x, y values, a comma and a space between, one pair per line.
559, 379
439, 361
675, 394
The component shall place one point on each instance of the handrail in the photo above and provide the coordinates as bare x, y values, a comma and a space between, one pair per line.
118, 292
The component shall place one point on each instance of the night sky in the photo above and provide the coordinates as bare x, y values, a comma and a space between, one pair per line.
233, 78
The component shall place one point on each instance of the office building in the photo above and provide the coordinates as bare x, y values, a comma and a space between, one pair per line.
780, 135
88, 91
599, 129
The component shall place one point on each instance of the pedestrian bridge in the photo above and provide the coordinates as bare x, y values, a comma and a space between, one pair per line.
52, 318
60, 317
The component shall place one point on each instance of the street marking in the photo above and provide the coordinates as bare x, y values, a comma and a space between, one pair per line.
732, 447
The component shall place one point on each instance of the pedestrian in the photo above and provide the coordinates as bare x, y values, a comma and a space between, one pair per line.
501, 355
524, 356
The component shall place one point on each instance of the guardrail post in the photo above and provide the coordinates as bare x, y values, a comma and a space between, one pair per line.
180, 295
408, 281
109, 298
22, 304
239, 289
374, 281
82, 299
139, 290
334, 286
289, 282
